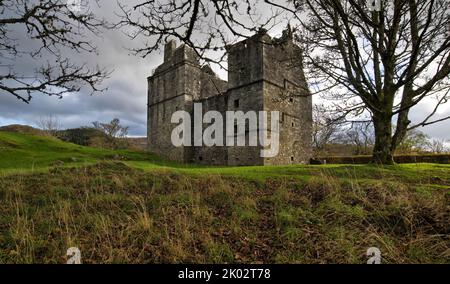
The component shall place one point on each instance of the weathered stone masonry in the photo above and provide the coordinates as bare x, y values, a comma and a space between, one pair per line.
263, 74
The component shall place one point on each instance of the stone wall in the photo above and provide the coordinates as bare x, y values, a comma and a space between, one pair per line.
172, 87
264, 74
285, 90
214, 155
245, 93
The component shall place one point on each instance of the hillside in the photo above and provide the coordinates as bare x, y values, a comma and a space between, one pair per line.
26, 152
131, 206
25, 129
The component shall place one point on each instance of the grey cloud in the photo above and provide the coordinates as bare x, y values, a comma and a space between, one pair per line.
126, 97
439, 130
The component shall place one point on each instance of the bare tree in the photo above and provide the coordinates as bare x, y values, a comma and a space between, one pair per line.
437, 146
112, 130
414, 141
205, 26
325, 128
51, 27
361, 135
382, 62
49, 124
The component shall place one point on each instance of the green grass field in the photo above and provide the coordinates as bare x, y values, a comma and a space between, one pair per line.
133, 207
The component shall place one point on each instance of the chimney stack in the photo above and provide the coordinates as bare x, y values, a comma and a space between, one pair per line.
169, 48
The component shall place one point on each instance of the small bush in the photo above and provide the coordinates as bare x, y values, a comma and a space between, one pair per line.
85, 136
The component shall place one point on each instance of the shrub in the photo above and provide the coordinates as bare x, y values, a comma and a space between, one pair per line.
85, 136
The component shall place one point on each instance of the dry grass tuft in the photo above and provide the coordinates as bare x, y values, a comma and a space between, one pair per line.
116, 214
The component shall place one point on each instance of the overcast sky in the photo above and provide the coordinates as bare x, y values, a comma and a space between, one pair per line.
126, 97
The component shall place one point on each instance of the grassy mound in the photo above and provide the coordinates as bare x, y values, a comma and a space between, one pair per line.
116, 214
24, 129
132, 207
26, 152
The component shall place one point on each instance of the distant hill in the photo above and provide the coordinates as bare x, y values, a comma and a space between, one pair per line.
24, 151
19, 128
84, 136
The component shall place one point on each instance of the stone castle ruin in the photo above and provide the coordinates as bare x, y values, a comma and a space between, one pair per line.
264, 74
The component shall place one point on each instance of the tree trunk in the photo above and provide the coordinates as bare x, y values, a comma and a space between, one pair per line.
401, 130
403, 120
383, 140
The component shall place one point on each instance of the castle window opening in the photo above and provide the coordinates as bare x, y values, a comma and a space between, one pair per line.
236, 103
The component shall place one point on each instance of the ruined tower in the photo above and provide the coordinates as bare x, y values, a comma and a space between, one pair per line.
265, 74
